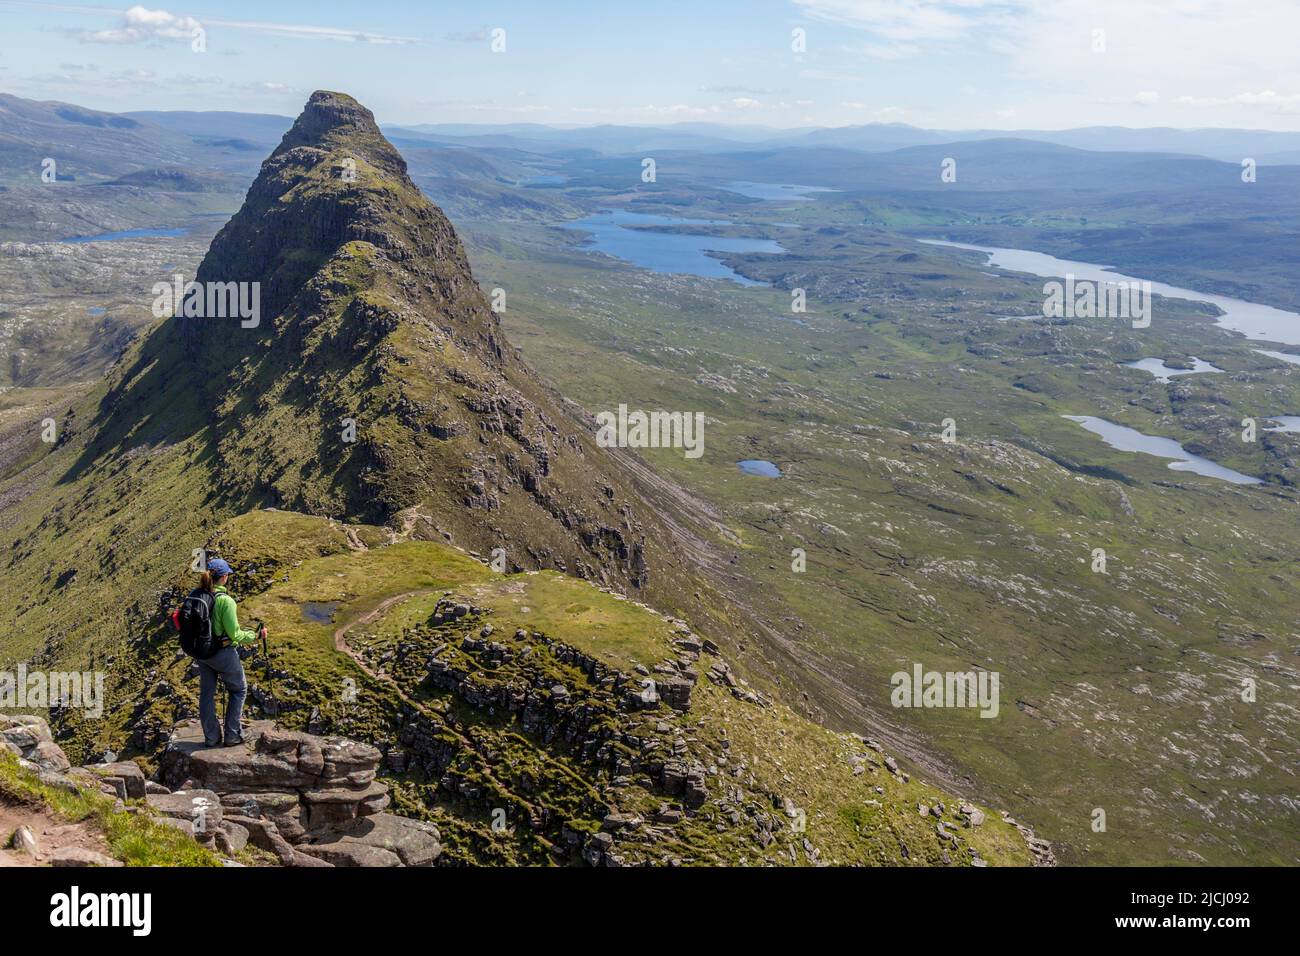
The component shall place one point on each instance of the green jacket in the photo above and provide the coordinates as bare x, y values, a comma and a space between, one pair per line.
225, 622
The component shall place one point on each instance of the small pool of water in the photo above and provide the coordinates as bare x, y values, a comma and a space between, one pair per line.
757, 466
96, 310
319, 612
1160, 370
129, 234
1286, 423
1123, 438
786, 191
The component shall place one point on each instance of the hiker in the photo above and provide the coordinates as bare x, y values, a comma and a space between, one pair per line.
210, 633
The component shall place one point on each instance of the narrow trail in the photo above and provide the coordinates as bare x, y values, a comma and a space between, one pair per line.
51, 832
341, 645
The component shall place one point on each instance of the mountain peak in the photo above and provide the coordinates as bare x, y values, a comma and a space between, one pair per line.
376, 380
335, 121
335, 191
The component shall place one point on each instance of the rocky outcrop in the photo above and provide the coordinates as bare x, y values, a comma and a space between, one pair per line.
307, 800
29, 739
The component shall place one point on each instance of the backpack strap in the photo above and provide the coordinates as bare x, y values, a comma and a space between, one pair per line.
212, 614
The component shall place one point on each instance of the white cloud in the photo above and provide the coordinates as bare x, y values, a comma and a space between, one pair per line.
1267, 98
140, 24
910, 19
1207, 50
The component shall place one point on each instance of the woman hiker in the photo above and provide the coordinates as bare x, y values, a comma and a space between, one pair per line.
225, 663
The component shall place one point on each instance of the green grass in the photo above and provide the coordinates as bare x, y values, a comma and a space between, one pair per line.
137, 839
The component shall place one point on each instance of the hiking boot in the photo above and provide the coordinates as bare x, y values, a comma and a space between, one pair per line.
212, 743
234, 742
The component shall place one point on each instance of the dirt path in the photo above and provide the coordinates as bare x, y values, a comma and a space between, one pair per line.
341, 645
52, 833
341, 633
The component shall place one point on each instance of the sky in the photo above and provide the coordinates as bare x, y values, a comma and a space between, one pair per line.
951, 64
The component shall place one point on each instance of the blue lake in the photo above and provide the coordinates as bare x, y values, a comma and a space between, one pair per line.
1251, 319
1281, 356
757, 466
777, 190
129, 234
615, 234
1123, 438
1160, 370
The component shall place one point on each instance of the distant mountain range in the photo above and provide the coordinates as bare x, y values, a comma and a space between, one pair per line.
1269, 147
95, 147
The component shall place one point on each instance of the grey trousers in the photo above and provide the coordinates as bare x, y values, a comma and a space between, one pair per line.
226, 665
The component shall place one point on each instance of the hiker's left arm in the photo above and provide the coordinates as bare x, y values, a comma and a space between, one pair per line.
230, 625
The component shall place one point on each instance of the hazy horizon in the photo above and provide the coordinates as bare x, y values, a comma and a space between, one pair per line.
784, 64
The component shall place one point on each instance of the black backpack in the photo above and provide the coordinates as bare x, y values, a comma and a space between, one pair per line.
195, 624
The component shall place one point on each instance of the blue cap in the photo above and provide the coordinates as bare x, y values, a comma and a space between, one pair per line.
218, 567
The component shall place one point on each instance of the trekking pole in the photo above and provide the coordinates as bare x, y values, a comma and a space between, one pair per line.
266, 657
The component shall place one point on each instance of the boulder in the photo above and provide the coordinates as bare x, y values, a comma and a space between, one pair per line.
329, 808
284, 808
301, 859
25, 736
178, 824
49, 756
200, 808
28, 737
264, 835
696, 790
124, 776
231, 837
78, 856
412, 842
675, 691
351, 854
309, 800
269, 759
24, 841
